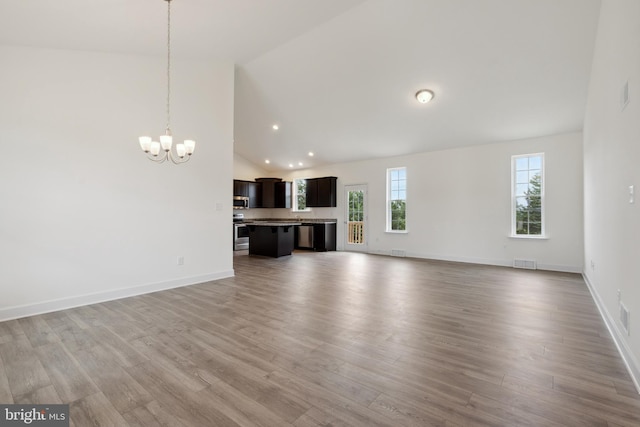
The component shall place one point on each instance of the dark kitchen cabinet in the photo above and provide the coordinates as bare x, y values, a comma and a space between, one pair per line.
321, 192
255, 194
276, 193
321, 237
283, 195
240, 188
250, 189
324, 237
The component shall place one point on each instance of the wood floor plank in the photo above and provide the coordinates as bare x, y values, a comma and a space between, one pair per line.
124, 393
10, 330
151, 415
38, 331
5, 391
95, 410
186, 405
69, 379
336, 338
43, 396
22, 367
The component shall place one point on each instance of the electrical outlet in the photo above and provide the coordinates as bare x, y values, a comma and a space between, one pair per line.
632, 191
593, 265
619, 295
180, 260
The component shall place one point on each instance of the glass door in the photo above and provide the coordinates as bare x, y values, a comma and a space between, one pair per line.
356, 218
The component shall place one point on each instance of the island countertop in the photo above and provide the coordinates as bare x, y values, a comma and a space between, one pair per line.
273, 224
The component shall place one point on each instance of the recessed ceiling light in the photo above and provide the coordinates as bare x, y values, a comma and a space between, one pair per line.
424, 95
299, 163
275, 127
290, 165
267, 161
310, 153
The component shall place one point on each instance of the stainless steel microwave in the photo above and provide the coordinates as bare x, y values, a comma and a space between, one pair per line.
240, 202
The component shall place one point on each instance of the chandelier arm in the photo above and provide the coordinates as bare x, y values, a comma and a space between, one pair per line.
158, 159
178, 160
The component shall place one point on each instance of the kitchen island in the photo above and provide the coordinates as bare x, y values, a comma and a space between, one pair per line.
272, 239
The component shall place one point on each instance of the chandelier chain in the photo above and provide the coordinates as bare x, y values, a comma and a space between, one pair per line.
168, 65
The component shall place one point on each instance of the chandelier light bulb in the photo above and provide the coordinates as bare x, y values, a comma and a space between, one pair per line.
155, 148
145, 143
190, 146
166, 141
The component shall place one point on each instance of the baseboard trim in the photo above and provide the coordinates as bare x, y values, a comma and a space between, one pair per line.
16, 312
483, 261
618, 338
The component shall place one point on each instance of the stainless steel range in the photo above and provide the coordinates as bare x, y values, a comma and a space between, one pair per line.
240, 233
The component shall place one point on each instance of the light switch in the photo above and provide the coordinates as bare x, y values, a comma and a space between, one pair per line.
632, 193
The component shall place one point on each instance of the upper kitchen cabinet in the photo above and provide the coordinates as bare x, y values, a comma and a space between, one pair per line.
255, 194
276, 193
321, 192
250, 189
240, 188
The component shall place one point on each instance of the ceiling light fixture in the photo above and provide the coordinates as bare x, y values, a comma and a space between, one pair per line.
275, 127
310, 153
152, 148
424, 95
267, 161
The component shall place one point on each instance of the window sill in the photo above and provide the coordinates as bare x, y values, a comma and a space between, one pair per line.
397, 231
528, 237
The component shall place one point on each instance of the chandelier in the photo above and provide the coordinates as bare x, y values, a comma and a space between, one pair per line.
152, 148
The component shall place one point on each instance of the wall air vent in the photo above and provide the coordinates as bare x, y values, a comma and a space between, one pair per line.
398, 252
528, 264
624, 318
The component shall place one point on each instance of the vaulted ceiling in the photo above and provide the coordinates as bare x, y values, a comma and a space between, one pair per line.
339, 76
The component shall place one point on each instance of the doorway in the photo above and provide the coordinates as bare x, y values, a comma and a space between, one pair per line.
356, 218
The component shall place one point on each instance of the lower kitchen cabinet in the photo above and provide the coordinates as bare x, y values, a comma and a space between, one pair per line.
320, 237
324, 237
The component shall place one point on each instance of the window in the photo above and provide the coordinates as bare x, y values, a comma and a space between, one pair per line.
300, 195
527, 194
397, 200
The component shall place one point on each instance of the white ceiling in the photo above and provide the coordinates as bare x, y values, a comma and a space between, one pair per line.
339, 76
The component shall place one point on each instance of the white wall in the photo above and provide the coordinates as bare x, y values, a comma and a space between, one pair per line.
459, 203
245, 170
612, 164
84, 216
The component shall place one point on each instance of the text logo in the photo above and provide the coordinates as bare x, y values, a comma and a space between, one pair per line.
34, 415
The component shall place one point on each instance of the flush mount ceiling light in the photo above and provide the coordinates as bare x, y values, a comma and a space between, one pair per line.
152, 148
424, 95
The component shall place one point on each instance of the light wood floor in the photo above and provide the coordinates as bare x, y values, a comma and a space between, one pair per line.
330, 339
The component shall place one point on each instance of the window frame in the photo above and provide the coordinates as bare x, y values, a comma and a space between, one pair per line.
389, 200
294, 205
543, 184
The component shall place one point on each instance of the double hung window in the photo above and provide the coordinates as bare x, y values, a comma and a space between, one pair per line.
527, 195
397, 200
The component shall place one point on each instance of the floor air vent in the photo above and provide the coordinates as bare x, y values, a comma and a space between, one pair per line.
398, 252
624, 318
529, 264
